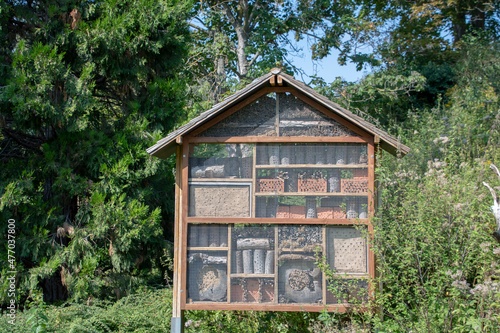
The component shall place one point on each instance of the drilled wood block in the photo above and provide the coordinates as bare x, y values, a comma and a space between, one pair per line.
347, 250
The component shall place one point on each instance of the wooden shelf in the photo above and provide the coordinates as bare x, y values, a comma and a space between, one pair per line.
220, 180
319, 246
314, 166
308, 194
206, 248
252, 275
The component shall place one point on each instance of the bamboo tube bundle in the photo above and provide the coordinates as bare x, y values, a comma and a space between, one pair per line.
333, 181
351, 211
259, 257
330, 154
214, 238
300, 154
340, 154
311, 212
203, 236
353, 154
285, 155
320, 154
272, 206
269, 264
261, 207
239, 262
274, 154
310, 154
247, 261
262, 156
193, 235
223, 235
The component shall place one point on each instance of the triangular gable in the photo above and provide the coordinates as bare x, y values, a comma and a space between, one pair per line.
166, 146
278, 114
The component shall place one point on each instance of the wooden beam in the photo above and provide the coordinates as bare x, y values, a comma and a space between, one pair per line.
280, 80
272, 80
282, 139
177, 313
271, 307
265, 220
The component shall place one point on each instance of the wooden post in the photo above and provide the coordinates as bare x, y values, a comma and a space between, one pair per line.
177, 323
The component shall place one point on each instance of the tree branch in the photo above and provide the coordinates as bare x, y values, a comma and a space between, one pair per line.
257, 54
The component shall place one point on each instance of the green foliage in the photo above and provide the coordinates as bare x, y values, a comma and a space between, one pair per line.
88, 87
146, 311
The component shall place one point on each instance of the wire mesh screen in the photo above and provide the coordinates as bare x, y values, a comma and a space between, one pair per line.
347, 291
275, 264
253, 264
255, 119
326, 181
207, 259
297, 118
221, 161
346, 249
299, 279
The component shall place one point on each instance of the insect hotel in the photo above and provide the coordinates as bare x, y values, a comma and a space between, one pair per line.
269, 182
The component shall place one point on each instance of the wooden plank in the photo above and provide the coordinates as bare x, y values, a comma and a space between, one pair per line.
252, 275
176, 304
220, 180
314, 194
276, 263
272, 80
314, 166
254, 181
206, 248
229, 255
325, 254
281, 139
183, 223
266, 220
254, 306
277, 123
279, 80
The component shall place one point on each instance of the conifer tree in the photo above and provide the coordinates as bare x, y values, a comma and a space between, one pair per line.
85, 88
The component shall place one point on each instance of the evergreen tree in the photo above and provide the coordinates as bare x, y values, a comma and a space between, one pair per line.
86, 87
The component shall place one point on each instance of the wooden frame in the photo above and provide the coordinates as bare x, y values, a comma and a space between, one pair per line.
183, 220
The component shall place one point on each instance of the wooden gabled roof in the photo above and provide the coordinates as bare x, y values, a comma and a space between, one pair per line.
167, 146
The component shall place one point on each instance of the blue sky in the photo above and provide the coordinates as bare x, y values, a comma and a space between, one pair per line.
328, 68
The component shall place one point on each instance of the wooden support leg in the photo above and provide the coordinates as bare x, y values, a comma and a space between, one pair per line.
177, 323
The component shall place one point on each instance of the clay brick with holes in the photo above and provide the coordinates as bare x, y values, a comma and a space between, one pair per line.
270, 185
354, 185
325, 212
297, 212
312, 185
283, 212
339, 213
